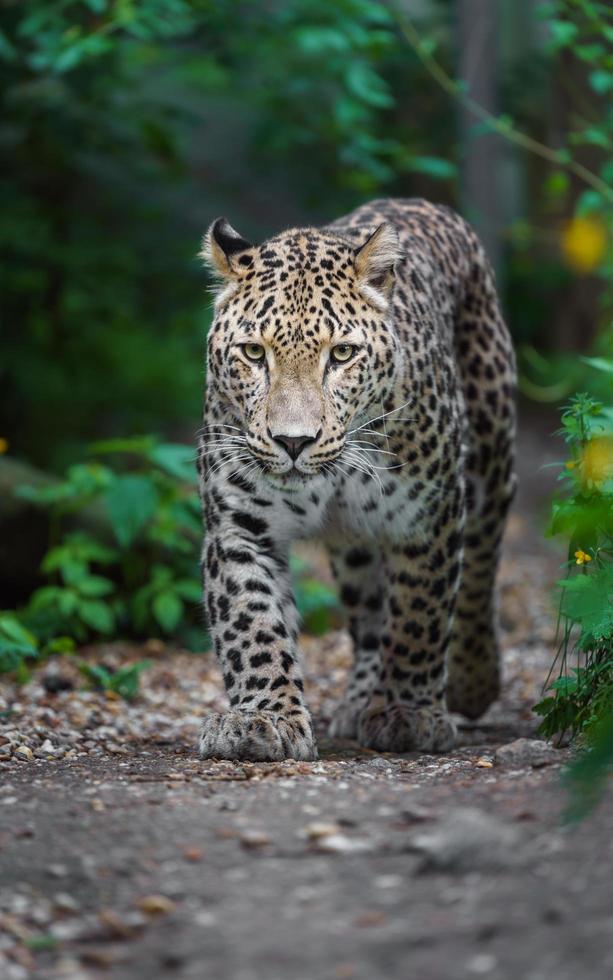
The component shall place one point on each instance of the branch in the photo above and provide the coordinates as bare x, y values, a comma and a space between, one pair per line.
500, 126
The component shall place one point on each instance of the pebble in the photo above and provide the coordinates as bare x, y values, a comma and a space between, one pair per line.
319, 829
54, 683
342, 844
24, 752
524, 752
252, 839
467, 840
155, 904
57, 870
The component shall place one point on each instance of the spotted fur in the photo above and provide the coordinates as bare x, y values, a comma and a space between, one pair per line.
399, 457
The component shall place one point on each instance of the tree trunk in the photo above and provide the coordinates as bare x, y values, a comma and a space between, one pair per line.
480, 191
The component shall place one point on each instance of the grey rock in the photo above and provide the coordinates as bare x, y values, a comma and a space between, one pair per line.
525, 752
467, 840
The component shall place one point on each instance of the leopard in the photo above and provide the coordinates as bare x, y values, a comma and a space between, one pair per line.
360, 391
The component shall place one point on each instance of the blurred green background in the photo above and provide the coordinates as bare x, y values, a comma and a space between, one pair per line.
127, 127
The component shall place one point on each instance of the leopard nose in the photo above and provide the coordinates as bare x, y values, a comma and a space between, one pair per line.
294, 445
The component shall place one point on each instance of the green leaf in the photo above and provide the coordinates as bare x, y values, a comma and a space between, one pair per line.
130, 503
126, 680
97, 615
588, 600
601, 81
139, 445
11, 629
366, 85
97, 675
59, 645
434, 167
168, 610
189, 589
175, 459
600, 363
95, 586
589, 202
562, 33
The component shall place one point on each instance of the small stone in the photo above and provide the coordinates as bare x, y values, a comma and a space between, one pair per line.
252, 839
57, 870
54, 683
468, 840
24, 832
368, 919
156, 904
193, 854
319, 829
341, 844
482, 963
116, 924
24, 753
526, 752
65, 903
484, 763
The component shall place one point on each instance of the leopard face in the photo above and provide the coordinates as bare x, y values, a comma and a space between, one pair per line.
301, 344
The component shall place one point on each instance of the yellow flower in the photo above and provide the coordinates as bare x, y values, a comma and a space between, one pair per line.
570, 465
3, 445
598, 460
583, 242
582, 557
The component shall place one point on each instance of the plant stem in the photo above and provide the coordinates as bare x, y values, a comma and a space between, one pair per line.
500, 126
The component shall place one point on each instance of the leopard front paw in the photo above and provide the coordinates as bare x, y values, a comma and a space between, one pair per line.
346, 718
402, 728
260, 736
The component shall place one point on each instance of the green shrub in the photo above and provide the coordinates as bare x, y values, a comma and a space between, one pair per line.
134, 575
581, 698
134, 572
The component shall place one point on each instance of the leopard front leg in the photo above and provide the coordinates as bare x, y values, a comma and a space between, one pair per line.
357, 568
253, 622
407, 710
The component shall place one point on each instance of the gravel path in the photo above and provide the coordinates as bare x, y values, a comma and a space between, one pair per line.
123, 856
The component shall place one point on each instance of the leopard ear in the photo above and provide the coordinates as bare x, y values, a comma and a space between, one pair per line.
374, 261
222, 247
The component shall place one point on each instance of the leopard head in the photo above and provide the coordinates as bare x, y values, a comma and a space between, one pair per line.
301, 346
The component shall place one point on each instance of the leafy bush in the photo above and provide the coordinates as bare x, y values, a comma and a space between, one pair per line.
132, 568
125, 128
581, 701
135, 573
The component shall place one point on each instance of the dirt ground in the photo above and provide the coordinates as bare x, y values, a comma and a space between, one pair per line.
123, 856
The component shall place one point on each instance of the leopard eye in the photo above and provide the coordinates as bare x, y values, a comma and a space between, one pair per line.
254, 352
342, 353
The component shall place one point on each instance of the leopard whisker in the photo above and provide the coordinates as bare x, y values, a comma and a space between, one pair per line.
384, 416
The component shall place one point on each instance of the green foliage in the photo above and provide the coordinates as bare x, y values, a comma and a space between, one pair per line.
135, 574
98, 279
317, 603
581, 699
112, 115
125, 682
17, 644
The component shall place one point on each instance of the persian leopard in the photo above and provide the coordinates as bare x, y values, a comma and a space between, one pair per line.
360, 389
